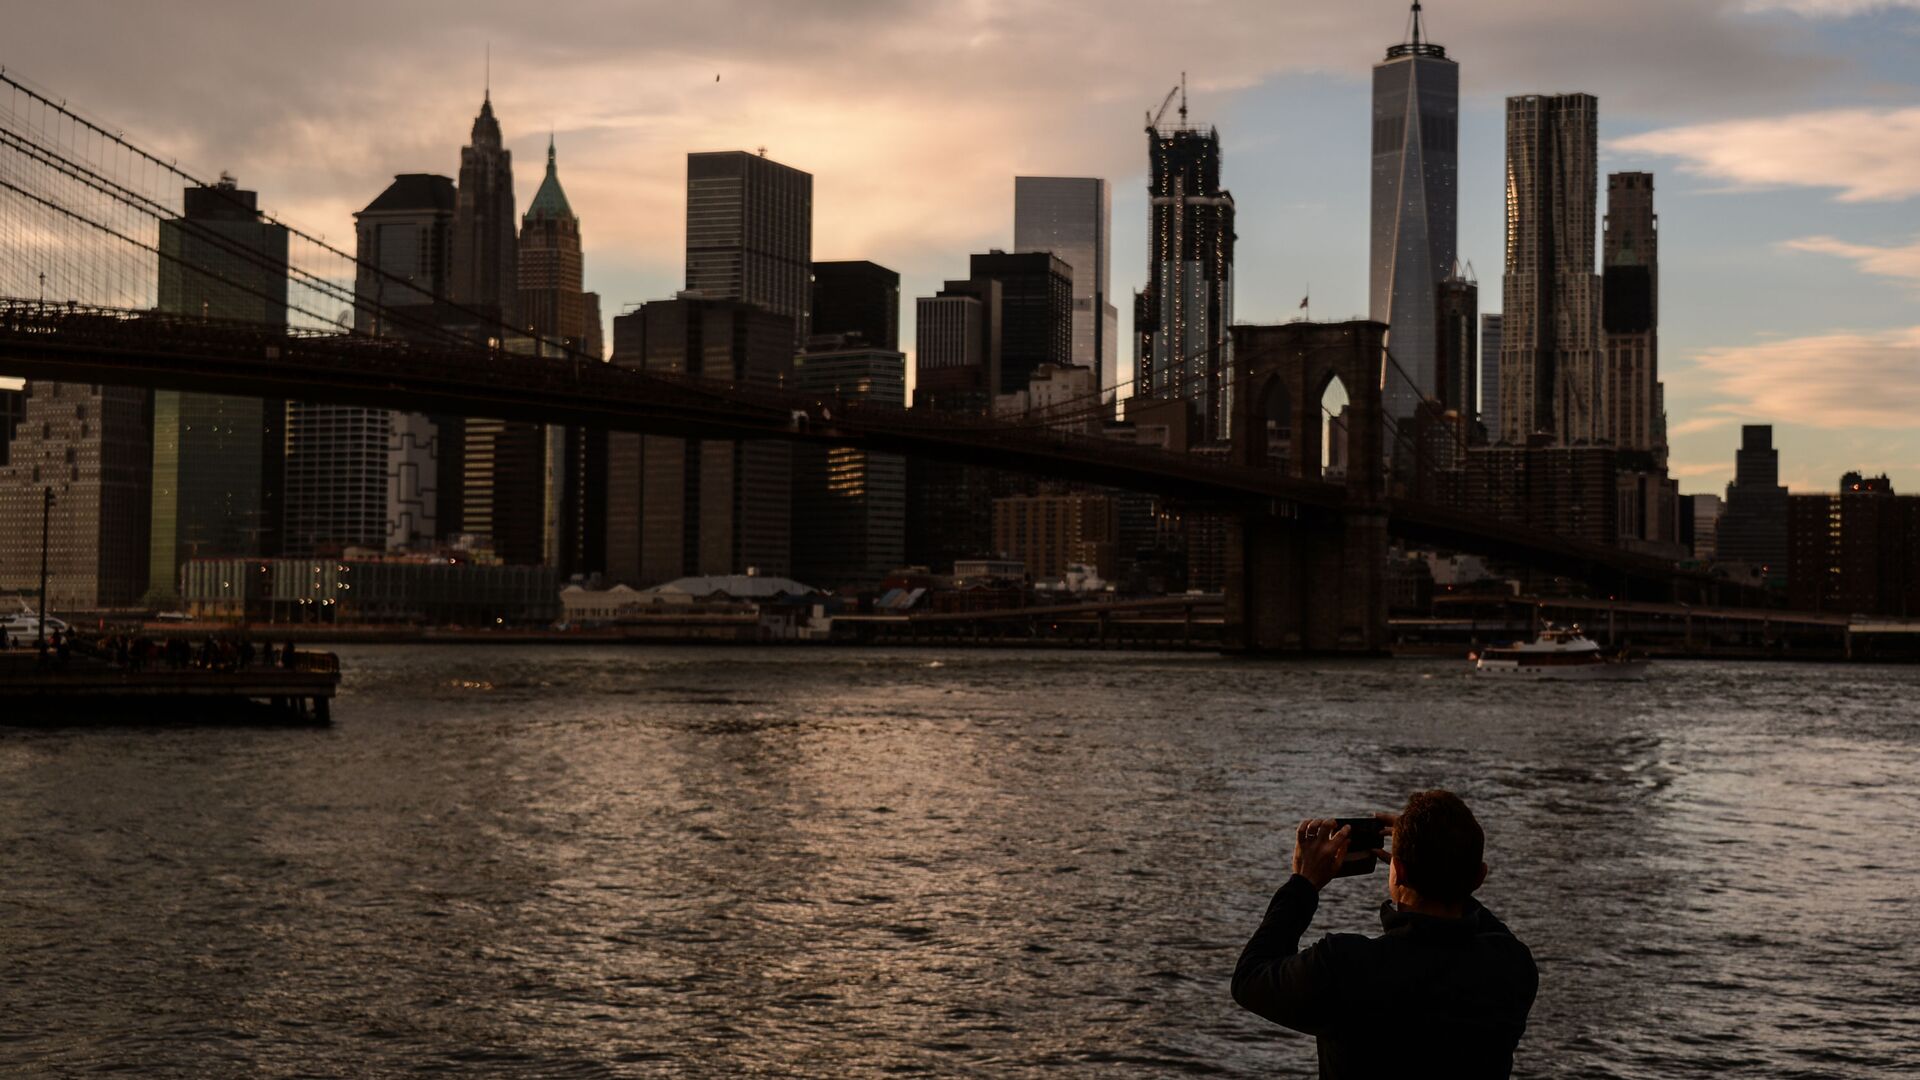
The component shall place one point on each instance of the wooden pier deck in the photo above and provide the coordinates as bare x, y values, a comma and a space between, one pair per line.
86, 689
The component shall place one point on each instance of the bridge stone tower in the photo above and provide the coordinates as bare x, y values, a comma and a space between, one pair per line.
1299, 579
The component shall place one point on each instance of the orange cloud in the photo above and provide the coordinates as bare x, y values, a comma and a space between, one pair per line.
1867, 154
1901, 261
1832, 381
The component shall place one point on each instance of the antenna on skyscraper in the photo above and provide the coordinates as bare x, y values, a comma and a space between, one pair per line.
1413, 30
487, 93
1183, 99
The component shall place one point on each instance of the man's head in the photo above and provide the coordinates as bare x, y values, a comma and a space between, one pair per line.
1437, 849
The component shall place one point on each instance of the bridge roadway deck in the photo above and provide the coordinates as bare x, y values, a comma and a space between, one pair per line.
107, 346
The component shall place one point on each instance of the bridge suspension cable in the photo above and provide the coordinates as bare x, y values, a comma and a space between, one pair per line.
82, 221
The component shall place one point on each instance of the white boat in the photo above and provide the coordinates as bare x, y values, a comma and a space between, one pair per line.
1558, 653
23, 627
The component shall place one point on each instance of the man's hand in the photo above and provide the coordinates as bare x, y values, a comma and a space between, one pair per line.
1319, 847
1387, 823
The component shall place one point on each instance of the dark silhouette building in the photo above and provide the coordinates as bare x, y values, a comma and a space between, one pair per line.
849, 505
957, 372
1630, 316
957, 354
1856, 551
1456, 345
486, 262
857, 300
1753, 527
551, 491
1490, 334
1036, 312
218, 460
1571, 491
1180, 320
750, 234
678, 507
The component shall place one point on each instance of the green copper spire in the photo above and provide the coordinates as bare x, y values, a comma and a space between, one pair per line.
550, 201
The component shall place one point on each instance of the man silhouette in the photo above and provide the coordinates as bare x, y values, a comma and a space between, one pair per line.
1444, 991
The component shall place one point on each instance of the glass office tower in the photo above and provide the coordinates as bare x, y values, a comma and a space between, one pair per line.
750, 234
1072, 216
1416, 137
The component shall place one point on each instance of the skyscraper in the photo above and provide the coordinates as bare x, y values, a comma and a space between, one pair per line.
360, 477
957, 348
857, 299
542, 499
552, 269
92, 446
1631, 315
1456, 351
678, 507
1036, 312
750, 234
217, 460
1072, 216
1180, 320
956, 370
849, 505
1753, 527
1416, 136
485, 260
1552, 378
1490, 326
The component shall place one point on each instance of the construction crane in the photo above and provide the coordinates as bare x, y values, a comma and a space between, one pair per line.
1154, 118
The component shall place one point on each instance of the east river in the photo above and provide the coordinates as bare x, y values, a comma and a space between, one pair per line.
800, 862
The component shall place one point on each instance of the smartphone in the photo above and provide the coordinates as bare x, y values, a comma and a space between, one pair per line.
1367, 833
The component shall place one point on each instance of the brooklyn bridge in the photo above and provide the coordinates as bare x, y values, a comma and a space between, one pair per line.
81, 209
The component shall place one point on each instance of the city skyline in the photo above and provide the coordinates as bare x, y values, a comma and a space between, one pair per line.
1788, 282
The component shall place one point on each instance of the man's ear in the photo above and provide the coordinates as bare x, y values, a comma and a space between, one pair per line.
1481, 879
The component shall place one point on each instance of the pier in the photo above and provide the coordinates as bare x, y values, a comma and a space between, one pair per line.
88, 689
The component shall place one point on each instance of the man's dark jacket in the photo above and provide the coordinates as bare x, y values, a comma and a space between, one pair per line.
1430, 997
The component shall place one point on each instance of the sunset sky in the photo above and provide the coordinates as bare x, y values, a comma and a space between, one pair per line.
1784, 135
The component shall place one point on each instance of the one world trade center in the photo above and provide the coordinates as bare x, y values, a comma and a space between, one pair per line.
1416, 138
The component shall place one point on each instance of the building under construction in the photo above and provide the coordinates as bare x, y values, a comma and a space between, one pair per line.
1180, 320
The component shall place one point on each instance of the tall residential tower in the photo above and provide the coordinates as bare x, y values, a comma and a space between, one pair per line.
1416, 137
1552, 374
1631, 315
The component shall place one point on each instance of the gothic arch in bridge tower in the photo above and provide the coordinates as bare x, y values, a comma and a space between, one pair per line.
1300, 581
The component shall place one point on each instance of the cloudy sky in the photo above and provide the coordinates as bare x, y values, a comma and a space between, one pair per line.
1785, 135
